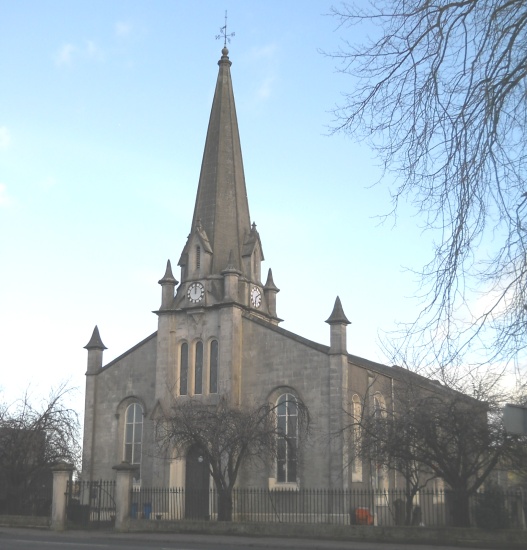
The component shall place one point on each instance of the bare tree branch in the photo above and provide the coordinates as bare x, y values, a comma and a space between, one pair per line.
227, 436
34, 437
443, 434
441, 95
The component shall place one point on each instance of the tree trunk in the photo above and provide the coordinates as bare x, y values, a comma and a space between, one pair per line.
409, 504
225, 505
460, 508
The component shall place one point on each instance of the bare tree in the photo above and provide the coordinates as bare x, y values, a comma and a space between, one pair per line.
441, 94
367, 431
34, 437
444, 434
228, 437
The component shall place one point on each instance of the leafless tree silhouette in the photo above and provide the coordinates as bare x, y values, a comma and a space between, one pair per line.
227, 436
33, 437
440, 92
439, 433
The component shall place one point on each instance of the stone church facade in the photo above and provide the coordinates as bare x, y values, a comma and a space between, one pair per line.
219, 336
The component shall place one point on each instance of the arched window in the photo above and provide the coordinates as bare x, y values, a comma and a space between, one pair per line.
198, 257
356, 465
379, 412
198, 369
133, 434
183, 372
287, 424
379, 405
213, 374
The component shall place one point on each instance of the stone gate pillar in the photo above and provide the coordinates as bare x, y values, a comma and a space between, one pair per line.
123, 494
62, 473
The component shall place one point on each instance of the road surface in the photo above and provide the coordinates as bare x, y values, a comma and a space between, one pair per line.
29, 539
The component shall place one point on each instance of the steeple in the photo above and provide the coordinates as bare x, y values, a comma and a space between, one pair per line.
221, 212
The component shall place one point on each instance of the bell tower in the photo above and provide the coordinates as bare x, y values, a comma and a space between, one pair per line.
200, 338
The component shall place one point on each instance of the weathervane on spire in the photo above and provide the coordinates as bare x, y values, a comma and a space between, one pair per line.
223, 33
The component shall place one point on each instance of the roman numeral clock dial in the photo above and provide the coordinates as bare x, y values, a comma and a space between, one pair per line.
195, 292
256, 296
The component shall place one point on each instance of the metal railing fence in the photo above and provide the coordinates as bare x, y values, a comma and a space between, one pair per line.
91, 503
29, 499
362, 507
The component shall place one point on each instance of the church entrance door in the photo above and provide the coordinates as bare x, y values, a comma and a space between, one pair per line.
196, 485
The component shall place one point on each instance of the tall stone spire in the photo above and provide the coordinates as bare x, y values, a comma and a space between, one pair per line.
221, 206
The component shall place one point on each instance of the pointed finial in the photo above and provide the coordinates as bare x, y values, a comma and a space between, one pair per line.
231, 265
269, 285
337, 316
95, 341
168, 278
223, 34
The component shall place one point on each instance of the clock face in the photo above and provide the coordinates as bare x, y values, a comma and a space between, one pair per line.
195, 292
256, 296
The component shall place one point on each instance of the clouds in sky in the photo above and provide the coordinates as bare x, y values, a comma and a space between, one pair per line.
265, 89
122, 29
267, 55
95, 65
65, 55
265, 52
69, 53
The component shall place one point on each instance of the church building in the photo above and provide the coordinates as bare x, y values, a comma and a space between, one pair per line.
219, 337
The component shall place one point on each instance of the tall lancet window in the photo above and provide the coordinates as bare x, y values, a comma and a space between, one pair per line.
198, 257
133, 436
198, 369
183, 370
356, 465
287, 424
379, 412
213, 375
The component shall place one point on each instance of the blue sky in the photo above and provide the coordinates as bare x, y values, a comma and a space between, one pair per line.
104, 108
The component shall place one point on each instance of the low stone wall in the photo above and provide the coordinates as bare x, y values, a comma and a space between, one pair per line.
424, 535
32, 522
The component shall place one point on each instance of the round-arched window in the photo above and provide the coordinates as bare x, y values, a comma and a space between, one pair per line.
133, 434
287, 444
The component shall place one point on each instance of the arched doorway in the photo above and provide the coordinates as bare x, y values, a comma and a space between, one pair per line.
196, 485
